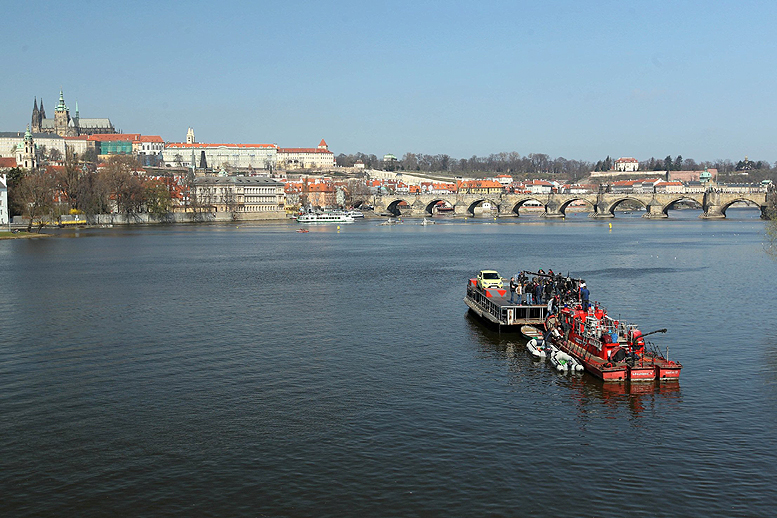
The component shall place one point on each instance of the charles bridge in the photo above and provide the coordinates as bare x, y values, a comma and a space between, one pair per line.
601, 205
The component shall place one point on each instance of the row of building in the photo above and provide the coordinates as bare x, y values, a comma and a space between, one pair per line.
53, 137
154, 151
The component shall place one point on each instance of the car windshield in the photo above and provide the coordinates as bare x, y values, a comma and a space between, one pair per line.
490, 275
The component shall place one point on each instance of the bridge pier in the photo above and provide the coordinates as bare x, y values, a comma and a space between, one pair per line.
713, 212
601, 212
654, 211
462, 209
553, 214
553, 210
418, 208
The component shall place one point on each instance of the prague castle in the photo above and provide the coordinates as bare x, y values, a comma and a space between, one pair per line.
63, 124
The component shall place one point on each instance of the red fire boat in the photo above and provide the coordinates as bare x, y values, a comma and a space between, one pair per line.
607, 348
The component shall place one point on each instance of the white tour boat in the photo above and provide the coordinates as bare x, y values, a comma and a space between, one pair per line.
326, 217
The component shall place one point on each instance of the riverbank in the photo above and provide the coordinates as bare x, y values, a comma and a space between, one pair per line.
21, 235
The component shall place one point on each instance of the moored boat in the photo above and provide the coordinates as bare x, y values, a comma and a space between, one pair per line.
531, 332
610, 349
538, 348
490, 300
565, 362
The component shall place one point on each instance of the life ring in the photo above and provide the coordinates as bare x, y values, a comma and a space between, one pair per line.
608, 365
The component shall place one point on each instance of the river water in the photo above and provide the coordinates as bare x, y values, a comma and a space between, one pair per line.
248, 370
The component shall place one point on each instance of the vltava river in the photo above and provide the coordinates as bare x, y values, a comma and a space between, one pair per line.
248, 370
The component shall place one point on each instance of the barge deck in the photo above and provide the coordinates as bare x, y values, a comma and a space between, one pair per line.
493, 306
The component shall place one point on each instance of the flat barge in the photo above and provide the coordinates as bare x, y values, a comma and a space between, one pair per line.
494, 307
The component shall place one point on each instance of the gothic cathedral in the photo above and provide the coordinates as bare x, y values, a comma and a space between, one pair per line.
63, 124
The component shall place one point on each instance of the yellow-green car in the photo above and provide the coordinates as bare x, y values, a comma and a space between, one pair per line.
489, 279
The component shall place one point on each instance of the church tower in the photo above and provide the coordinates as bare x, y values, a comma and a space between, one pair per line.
190, 136
61, 117
36, 116
25, 157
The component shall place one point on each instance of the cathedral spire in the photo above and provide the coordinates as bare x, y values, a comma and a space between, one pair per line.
61, 106
35, 116
42, 111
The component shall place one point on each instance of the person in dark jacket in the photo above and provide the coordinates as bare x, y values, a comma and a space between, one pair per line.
585, 295
538, 292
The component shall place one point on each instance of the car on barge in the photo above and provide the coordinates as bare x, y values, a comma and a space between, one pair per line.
488, 300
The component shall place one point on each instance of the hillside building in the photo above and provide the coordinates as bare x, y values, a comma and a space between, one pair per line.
306, 158
240, 157
63, 124
627, 164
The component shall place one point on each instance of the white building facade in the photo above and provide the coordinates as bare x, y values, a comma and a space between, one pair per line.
3, 201
234, 156
306, 158
626, 164
251, 197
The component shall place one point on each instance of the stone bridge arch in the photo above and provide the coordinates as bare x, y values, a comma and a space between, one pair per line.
750, 202
716, 203
564, 205
669, 205
431, 201
467, 206
392, 206
606, 207
513, 204
614, 205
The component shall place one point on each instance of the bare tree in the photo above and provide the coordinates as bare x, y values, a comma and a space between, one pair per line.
36, 189
55, 155
126, 188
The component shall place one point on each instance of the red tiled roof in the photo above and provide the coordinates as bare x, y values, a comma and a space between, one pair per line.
184, 145
7, 162
151, 138
119, 137
320, 187
627, 159
303, 150
323, 143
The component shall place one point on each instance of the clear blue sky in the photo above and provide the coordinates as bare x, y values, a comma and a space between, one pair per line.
568, 78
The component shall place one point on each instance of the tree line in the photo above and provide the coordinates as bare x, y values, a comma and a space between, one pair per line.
541, 165
534, 164
78, 187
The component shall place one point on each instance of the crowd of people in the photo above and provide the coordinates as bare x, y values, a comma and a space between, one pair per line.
549, 288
